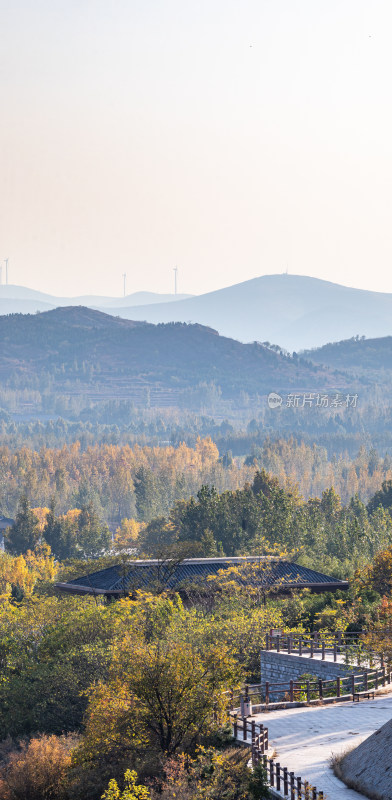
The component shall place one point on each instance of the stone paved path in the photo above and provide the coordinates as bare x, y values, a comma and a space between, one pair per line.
305, 738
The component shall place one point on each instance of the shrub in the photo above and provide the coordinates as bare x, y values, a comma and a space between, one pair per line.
132, 790
37, 769
218, 775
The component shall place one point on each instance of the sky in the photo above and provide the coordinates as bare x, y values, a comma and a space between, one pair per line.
231, 139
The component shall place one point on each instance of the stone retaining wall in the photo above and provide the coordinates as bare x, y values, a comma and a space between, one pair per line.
282, 667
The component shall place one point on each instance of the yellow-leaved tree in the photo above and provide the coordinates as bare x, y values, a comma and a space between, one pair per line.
132, 790
22, 572
127, 534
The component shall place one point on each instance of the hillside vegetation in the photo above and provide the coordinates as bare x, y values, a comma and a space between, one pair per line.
77, 350
360, 356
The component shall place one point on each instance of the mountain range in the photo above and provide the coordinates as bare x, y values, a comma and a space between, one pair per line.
21, 300
78, 351
294, 311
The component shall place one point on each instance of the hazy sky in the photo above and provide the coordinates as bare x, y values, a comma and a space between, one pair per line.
230, 138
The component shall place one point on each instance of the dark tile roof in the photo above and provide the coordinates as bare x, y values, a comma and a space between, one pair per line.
143, 574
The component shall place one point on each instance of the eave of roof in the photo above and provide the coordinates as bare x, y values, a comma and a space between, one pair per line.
119, 580
318, 587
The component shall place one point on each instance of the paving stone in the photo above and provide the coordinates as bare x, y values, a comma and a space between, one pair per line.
305, 738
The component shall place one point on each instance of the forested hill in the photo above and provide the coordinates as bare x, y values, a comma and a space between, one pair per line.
357, 355
74, 347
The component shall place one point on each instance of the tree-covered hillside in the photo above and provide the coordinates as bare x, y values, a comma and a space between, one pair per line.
79, 350
372, 357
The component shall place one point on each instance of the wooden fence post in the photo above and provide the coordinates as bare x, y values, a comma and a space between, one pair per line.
338, 686
278, 644
292, 786
335, 652
311, 648
285, 781
291, 691
323, 651
289, 644
266, 693
267, 641
271, 772
300, 646
299, 788
307, 691
244, 728
235, 726
353, 685
320, 689
277, 765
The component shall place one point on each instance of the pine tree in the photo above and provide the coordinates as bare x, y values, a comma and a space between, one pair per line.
24, 533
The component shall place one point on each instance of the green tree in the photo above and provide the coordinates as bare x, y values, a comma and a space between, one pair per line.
147, 494
94, 535
382, 498
158, 536
52, 532
24, 533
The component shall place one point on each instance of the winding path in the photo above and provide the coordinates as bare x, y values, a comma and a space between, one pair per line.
305, 738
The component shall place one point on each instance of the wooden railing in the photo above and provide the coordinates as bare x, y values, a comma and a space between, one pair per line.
260, 695
329, 646
285, 782
258, 733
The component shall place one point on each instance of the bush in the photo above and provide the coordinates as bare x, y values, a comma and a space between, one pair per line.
37, 770
214, 774
132, 790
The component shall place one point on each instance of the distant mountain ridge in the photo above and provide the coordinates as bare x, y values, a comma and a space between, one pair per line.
22, 300
294, 311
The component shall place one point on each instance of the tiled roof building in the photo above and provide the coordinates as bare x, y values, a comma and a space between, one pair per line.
120, 579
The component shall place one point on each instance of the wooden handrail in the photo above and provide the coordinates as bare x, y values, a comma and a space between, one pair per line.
328, 646
293, 785
259, 694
